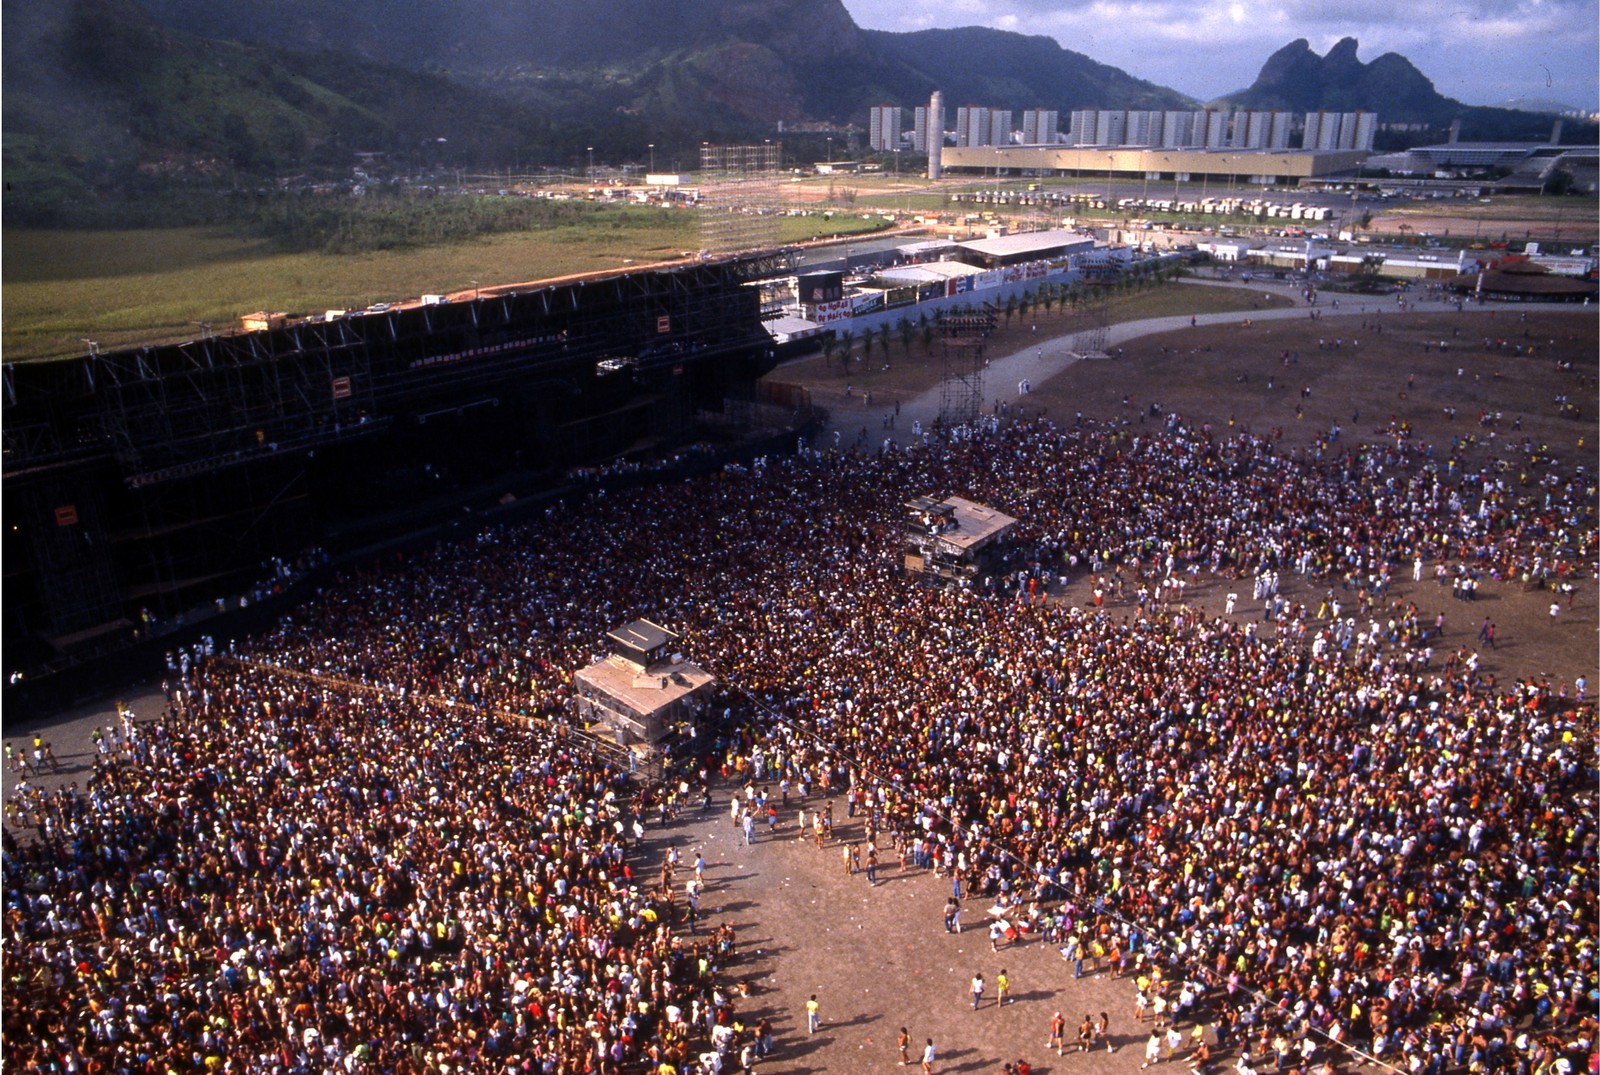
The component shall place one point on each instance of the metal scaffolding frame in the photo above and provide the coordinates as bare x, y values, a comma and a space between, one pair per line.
963, 339
172, 411
188, 463
1095, 315
740, 198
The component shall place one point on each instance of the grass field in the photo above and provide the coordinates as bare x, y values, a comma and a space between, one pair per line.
124, 288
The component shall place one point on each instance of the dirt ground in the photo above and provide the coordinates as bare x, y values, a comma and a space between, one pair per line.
905, 371
877, 957
1364, 372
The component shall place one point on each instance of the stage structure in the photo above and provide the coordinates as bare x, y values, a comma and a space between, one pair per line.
155, 479
740, 198
639, 693
963, 339
954, 538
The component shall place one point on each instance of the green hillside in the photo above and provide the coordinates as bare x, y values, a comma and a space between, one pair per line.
105, 110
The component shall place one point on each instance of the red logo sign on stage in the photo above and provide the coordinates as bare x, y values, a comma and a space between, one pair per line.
341, 388
664, 323
67, 515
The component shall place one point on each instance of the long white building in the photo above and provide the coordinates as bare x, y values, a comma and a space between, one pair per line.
1219, 128
1206, 129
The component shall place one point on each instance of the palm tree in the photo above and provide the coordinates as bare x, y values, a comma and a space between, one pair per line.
829, 345
1011, 305
847, 339
866, 345
927, 336
903, 327
883, 339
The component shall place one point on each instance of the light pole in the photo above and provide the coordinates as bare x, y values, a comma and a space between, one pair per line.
830, 151
652, 158
590, 176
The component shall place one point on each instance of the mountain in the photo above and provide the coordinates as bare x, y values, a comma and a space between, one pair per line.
100, 101
471, 38
1297, 79
104, 97
977, 65
758, 61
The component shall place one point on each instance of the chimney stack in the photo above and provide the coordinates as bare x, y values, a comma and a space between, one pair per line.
935, 135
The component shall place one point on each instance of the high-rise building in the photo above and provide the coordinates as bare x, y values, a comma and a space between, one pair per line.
1000, 128
1248, 130
934, 134
1260, 130
1278, 130
1040, 126
1142, 129
1085, 121
1311, 133
885, 124
1177, 130
972, 126
1347, 130
1325, 130
1366, 130
919, 129
1110, 127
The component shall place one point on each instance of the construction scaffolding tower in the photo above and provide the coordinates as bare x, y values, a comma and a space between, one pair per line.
961, 353
740, 198
1094, 321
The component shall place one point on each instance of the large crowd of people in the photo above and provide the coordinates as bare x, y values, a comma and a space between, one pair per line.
1317, 828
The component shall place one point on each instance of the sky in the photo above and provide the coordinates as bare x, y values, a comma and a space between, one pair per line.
1476, 51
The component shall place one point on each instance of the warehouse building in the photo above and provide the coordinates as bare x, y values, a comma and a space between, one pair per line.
1004, 250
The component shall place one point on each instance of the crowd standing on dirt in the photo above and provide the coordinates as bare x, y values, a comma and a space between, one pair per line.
1310, 828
